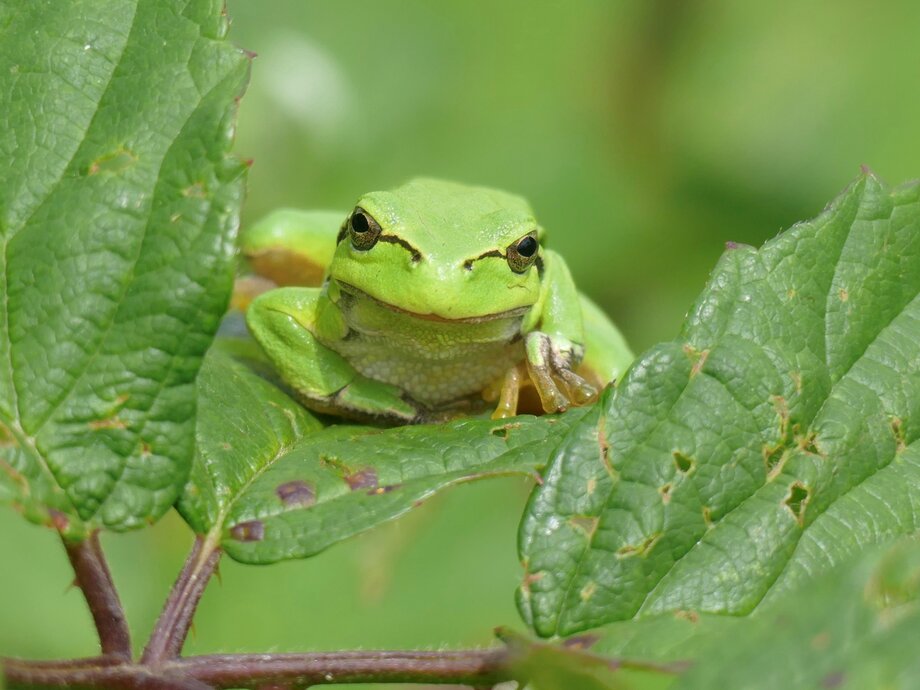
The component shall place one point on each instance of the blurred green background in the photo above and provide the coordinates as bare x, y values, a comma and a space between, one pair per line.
645, 133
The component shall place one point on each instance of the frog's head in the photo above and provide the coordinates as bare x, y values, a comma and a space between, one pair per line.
442, 250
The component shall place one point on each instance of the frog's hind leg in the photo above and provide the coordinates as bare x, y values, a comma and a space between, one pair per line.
292, 247
607, 356
285, 322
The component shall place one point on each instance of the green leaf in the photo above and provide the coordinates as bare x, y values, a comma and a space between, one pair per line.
118, 211
244, 425
268, 487
771, 440
854, 628
543, 666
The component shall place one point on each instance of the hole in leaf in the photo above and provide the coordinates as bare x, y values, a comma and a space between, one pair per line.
773, 458
797, 500
665, 491
707, 516
642, 549
684, 463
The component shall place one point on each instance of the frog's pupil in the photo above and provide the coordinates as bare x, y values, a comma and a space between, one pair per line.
359, 223
527, 247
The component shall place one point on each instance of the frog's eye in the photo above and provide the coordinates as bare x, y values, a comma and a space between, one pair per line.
522, 254
363, 229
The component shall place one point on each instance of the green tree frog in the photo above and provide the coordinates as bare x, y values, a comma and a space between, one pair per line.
428, 300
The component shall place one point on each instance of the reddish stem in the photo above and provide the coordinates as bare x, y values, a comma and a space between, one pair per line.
482, 668
175, 621
95, 580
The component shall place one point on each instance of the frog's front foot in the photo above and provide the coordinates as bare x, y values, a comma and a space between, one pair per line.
551, 363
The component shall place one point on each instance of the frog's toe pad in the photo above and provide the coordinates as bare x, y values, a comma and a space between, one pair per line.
551, 363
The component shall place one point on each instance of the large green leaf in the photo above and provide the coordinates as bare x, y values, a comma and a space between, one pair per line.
775, 437
118, 211
268, 487
854, 628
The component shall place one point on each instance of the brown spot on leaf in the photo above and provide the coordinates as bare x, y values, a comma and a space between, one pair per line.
797, 500
529, 579
252, 530
296, 493
642, 549
687, 615
362, 479
588, 591
586, 524
821, 641
383, 489
591, 486
109, 423
833, 680
697, 357
59, 521
897, 428
844, 294
7, 440
145, 448
197, 191
665, 491
581, 641
116, 162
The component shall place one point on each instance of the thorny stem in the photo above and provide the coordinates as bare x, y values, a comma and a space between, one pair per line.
174, 622
480, 668
160, 667
95, 580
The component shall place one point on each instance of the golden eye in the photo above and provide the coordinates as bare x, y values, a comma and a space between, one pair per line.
523, 253
363, 229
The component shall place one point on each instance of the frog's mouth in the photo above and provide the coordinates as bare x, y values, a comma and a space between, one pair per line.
357, 293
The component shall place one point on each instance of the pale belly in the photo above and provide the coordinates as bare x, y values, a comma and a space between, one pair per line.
437, 363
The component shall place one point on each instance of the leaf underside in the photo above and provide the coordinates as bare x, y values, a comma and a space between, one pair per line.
118, 211
775, 437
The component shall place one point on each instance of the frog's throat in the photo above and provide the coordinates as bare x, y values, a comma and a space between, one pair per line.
360, 294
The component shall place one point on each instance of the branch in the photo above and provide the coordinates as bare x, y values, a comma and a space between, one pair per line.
480, 667
104, 676
172, 627
95, 580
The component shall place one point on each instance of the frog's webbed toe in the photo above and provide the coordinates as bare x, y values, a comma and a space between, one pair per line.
551, 363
